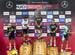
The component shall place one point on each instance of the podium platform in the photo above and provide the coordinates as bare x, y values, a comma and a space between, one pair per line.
52, 51
25, 49
12, 52
39, 47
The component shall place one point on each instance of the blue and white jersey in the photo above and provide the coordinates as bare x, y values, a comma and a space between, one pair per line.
64, 30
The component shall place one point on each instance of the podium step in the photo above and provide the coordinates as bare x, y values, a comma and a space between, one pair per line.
52, 51
12, 52
25, 49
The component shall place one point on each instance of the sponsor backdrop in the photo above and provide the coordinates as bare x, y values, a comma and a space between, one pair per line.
15, 14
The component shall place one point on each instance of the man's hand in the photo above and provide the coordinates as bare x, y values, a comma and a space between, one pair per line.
52, 31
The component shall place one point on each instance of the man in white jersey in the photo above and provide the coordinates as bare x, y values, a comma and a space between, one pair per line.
25, 27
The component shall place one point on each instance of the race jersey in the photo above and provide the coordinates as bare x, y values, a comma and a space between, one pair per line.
11, 29
24, 24
53, 27
39, 20
64, 30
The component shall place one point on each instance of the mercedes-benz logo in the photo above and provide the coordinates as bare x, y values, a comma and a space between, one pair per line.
9, 4
64, 4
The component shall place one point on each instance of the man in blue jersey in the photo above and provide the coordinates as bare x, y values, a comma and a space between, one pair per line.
11, 34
